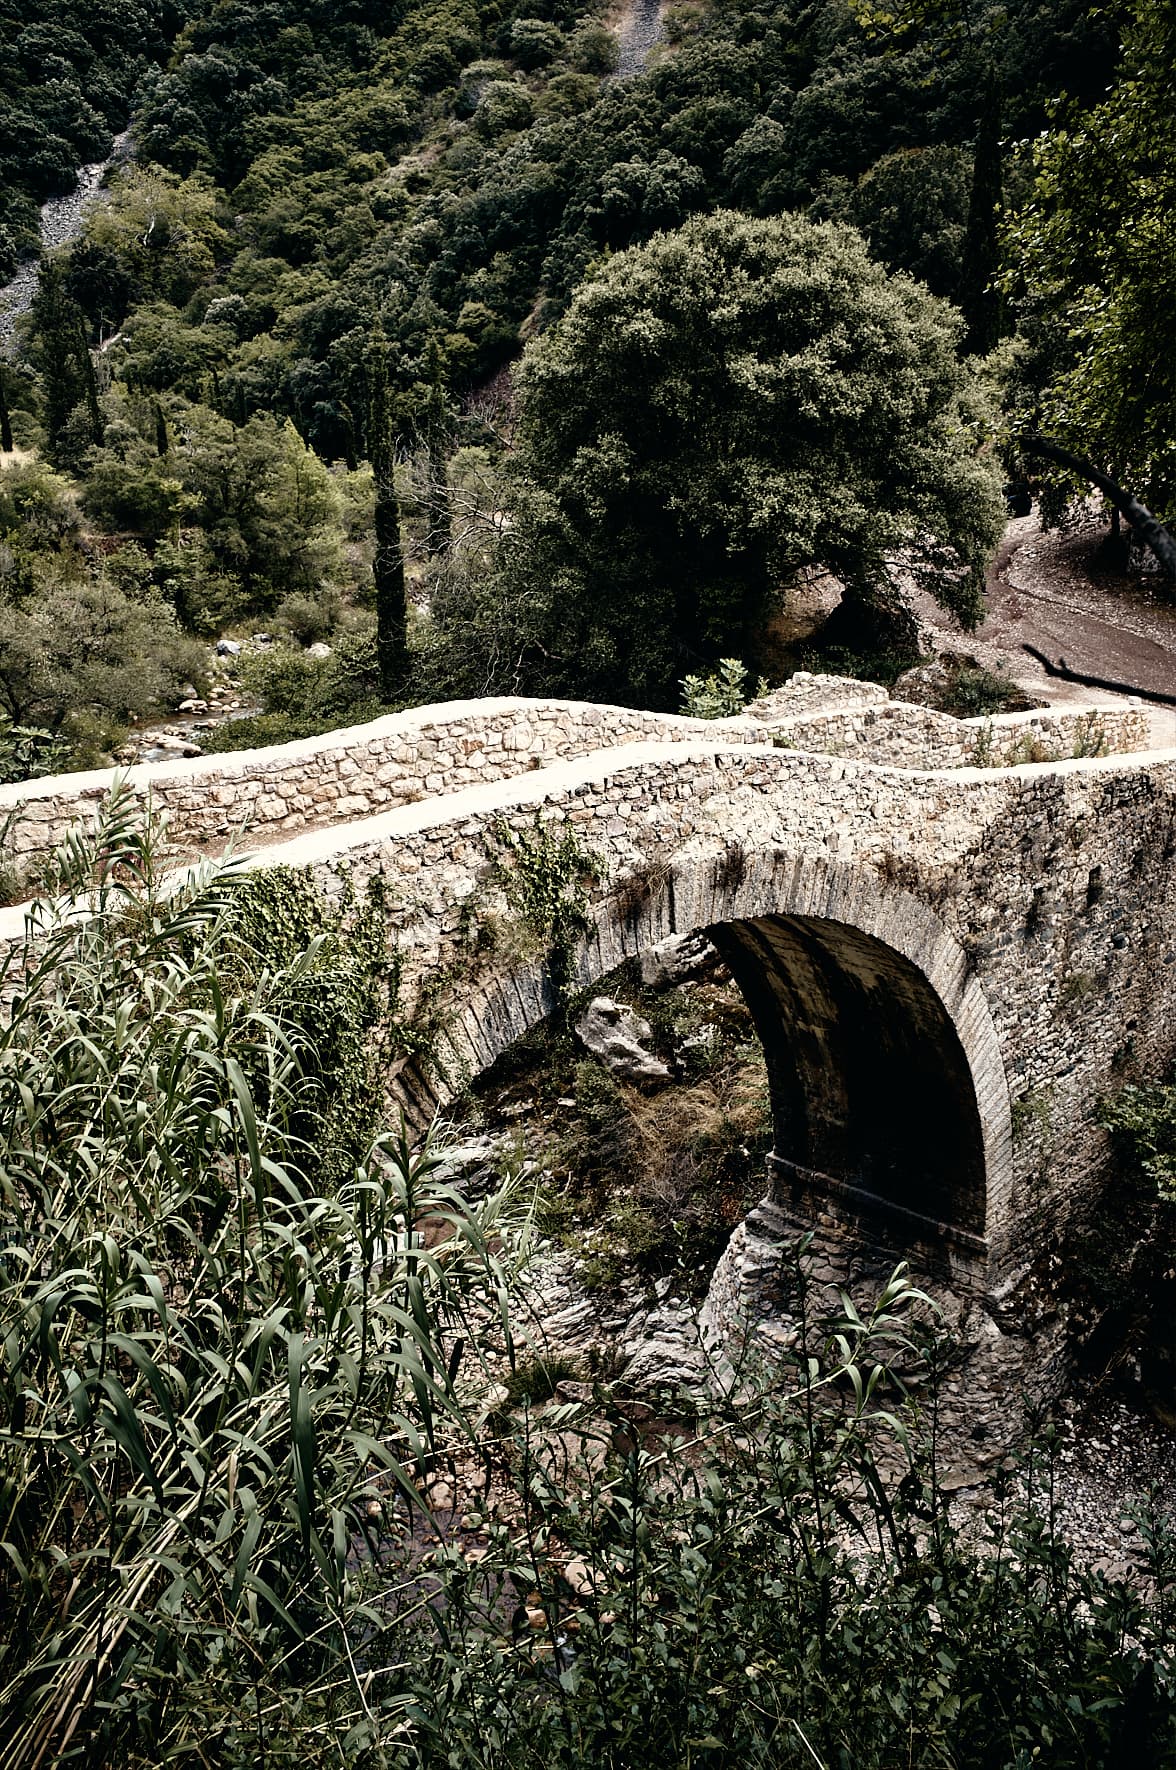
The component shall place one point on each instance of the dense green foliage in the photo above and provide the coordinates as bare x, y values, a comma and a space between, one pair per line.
758, 1599
1092, 267
450, 172
718, 411
84, 643
1144, 1120
224, 1352
68, 72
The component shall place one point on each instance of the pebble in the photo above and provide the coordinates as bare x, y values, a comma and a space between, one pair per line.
1113, 1458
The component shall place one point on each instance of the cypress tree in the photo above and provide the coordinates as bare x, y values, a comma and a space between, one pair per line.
436, 428
979, 295
388, 564
89, 383
63, 382
6, 444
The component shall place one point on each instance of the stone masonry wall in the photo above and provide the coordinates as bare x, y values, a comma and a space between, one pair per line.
902, 735
348, 774
342, 776
1053, 887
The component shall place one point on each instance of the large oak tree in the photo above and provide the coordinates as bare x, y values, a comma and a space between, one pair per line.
717, 411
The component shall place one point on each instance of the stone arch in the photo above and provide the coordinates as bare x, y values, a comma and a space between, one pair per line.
889, 1094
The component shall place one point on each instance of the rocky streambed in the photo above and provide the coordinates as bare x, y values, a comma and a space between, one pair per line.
627, 1234
61, 222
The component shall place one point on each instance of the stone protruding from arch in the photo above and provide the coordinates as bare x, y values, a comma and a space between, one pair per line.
888, 1088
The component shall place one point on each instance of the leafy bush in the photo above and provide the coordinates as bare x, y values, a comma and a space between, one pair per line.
976, 691
1143, 1120
784, 1587
307, 619
27, 752
84, 655
302, 696
721, 695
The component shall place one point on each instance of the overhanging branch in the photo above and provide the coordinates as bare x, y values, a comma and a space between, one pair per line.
1150, 530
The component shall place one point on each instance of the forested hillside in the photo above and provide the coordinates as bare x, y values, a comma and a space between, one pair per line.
272, 385
68, 73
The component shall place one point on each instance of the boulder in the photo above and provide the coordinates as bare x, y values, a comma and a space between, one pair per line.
681, 956
927, 685
617, 1036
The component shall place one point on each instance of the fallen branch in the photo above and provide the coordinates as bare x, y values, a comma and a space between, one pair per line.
1062, 669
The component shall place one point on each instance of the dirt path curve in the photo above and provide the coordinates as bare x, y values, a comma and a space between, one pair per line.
1056, 593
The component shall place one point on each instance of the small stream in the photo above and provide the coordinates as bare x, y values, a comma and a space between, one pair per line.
61, 223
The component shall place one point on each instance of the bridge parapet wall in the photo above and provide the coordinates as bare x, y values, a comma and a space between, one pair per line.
269, 794
350, 774
898, 734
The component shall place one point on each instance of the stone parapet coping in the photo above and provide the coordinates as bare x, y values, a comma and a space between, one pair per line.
265, 796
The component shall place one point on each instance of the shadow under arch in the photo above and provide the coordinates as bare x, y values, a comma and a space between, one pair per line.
872, 1098
889, 1095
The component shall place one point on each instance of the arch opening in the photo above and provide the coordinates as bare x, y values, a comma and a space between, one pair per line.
873, 1101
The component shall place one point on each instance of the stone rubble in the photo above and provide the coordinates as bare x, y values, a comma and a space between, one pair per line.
671, 961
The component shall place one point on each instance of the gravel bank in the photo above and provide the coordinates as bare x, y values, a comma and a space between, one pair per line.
638, 32
61, 222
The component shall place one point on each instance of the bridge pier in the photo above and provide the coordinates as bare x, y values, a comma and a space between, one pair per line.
813, 1237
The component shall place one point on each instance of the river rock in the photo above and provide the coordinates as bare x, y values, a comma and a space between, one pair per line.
616, 1035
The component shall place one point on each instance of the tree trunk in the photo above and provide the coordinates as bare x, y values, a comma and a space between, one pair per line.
5, 420
1150, 530
440, 511
90, 385
979, 295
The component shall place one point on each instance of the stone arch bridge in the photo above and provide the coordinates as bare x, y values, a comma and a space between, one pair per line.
950, 952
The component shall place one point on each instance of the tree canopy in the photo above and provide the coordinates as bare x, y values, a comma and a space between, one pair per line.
720, 409
309, 172
1095, 274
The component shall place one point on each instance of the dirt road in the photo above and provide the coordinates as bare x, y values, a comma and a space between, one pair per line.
1056, 593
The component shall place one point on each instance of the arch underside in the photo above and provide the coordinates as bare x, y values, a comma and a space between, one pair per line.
872, 1095
889, 1097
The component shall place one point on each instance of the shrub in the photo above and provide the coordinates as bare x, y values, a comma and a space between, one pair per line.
308, 619
717, 696
760, 1592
